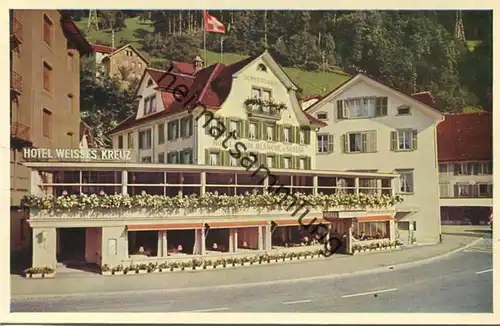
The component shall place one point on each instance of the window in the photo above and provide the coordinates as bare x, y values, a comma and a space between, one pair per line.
405, 181
287, 162
139, 65
69, 59
463, 190
286, 134
366, 107
214, 159
443, 168
403, 110
481, 169
235, 126
161, 157
266, 95
146, 159
47, 123
252, 130
362, 142
47, 30
325, 143
322, 116
70, 103
145, 139
152, 104
173, 130
270, 162
161, 133
186, 127
133, 64
233, 161
404, 140
270, 132
130, 140
187, 156
484, 190
150, 82
173, 157
261, 67
120, 142
47, 77
302, 163
256, 93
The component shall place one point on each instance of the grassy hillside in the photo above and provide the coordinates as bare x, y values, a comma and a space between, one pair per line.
310, 82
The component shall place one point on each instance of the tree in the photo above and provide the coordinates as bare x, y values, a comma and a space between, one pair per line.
104, 101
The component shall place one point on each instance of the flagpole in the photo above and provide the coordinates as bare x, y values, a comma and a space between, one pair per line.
222, 49
204, 40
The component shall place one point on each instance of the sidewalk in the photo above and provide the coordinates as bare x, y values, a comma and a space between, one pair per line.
83, 284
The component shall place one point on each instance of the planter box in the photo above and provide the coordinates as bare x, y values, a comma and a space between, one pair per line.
118, 273
142, 271
107, 273
50, 275
36, 275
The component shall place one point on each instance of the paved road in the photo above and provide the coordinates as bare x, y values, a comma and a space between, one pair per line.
459, 283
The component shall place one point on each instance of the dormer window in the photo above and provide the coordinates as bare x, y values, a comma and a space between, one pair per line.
322, 116
150, 82
403, 110
261, 67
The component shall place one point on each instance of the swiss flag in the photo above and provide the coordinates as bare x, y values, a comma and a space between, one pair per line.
214, 25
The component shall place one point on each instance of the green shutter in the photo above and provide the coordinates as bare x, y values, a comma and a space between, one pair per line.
244, 129
295, 162
224, 158
262, 159
282, 133
207, 157
191, 126
415, 141
394, 140
307, 136
261, 130
182, 125
308, 163
180, 157
207, 125
330, 143
384, 106
277, 132
297, 135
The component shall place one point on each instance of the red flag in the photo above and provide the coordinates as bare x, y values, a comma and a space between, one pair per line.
214, 25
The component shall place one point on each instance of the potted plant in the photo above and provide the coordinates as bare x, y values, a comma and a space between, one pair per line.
162, 267
207, 263
142, 269
118, 270
224, 263
283, 256
127, 270
151, 268
196, 263
106, 270
30, 272
173, 266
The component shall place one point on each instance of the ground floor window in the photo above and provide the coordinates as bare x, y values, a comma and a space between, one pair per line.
371, 230
297, 235
248, 238
180, 241
143, 243
217, 240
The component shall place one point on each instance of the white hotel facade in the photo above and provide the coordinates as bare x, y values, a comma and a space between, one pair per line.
173, 154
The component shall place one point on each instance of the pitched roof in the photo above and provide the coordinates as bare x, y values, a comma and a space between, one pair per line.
73, 34
425, 97
102, 48
208, 87
465, 137
123, 48
315, 121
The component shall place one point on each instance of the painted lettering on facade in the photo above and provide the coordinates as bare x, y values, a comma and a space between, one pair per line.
78, 154
259, 80
261, 146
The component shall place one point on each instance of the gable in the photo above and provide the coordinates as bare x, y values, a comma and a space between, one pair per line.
127, 47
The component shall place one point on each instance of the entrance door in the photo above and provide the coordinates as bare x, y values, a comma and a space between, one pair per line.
403, 232
71, 244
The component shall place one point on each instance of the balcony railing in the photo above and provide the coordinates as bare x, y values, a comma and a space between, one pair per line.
16, 83
19, 131
16, 30
263, 111
478, 190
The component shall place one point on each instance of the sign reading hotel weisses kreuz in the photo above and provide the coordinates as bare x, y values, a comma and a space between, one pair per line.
77, 154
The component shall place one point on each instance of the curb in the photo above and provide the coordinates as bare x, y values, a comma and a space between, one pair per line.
385, 268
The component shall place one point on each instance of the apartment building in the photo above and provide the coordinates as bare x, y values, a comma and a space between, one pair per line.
45, 50
126, 62
372, 127
465, 154
278, 133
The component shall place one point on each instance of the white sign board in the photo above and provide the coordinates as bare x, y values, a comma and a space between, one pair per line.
77, 154
262, 146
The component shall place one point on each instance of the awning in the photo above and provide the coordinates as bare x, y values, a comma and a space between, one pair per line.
236, 224
170, 226
383, 218
305, 221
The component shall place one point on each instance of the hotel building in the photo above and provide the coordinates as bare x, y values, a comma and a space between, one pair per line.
372, 127
465, 153
214, 144
45, 50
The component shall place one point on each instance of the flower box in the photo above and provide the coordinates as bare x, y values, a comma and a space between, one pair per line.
107, 273
49, 275
36, 275
142, 271
118, 273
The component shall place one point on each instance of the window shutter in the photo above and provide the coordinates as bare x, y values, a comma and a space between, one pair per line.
456, 168
262, 130
456, 190
262, 159
307, 136
295, 162
364, 142
282, 162
340, 110
207, 157
180, 157
244, 129
227, 124
207, 125
384, 106
372, 142
308, 163
330, 143
415, 141
191, 126
381, 106
224, 158
345, 143
183, 132
292, 135
394, 140
297, 135
277, 133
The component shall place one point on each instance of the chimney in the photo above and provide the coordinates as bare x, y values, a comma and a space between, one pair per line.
198, 64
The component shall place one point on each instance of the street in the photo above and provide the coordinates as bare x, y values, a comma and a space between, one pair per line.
459, 283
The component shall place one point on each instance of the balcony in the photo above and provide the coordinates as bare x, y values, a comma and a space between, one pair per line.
464, 194
266, 109
16, 83
16, 31
19, 131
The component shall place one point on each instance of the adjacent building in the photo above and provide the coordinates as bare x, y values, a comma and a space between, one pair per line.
45, 50
126, 62
465, 153
372, 127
